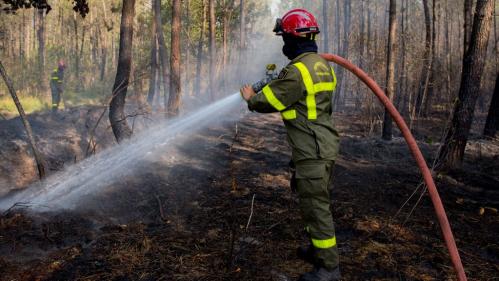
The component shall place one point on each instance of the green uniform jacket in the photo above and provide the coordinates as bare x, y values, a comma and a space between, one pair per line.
303, 94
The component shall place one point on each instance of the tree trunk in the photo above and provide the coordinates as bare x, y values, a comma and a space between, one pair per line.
428, 63
199, 62
187, 69
468, 23
337, 23
103, 61
117, 116
80, 86
40, 162
339, 101
40, 34
225, 51
242, 38
433, 75
76, 54
104, 45
452, 153
448, 52
162, 49
492, 124
175, 80
390, 73
402, 94
154, 61
212, 49
325, 25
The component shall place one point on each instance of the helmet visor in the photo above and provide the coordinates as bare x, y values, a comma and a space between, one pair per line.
278, 27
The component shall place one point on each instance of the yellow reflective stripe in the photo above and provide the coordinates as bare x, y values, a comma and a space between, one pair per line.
324, 244
334, 79
55, 78
324, 87
312, 107
289, 114
267, 91
305, 74
309, 86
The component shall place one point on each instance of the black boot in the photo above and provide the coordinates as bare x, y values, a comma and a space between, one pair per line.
322, 274
306, 253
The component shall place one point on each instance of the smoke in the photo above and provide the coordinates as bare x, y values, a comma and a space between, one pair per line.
68, 189
245, 64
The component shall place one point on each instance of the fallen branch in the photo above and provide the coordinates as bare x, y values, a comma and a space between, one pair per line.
251, 213
18, 204
92, 132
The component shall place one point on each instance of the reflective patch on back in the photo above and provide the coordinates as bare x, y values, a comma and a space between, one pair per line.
321, 69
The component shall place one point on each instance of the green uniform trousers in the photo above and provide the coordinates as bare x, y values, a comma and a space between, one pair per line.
56, 89
311, 179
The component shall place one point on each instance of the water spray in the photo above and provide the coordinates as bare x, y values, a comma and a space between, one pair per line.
69, 188
418, 156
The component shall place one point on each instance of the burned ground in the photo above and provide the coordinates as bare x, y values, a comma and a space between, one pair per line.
186, 215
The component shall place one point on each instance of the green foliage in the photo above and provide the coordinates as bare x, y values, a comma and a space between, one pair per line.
29, 103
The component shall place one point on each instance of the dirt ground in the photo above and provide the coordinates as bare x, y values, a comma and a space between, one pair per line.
218, 207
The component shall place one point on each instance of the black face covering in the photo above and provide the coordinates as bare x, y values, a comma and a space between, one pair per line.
295, 46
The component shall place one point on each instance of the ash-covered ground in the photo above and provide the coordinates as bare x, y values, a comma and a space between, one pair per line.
184, 215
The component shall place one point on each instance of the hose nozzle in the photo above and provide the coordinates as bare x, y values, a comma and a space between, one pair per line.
270, 74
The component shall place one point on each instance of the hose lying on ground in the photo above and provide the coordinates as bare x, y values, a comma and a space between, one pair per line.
418, 156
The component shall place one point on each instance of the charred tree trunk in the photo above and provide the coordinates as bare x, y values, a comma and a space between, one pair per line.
448, 52
40, 162
428, 63
390, 73
433, 75
212, 49
175, 80
468, 23
117, 116
154, 62
492, 124
452, 153
199, 63
162, 49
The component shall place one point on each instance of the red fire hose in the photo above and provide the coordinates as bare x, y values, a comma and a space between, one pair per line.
418, 156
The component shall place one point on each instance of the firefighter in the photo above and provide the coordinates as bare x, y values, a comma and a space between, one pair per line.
56, 80
303, 93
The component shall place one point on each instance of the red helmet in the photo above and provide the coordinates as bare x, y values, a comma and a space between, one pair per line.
297, 22
61, 64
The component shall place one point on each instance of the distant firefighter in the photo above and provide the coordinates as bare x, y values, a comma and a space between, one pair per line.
56, 80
